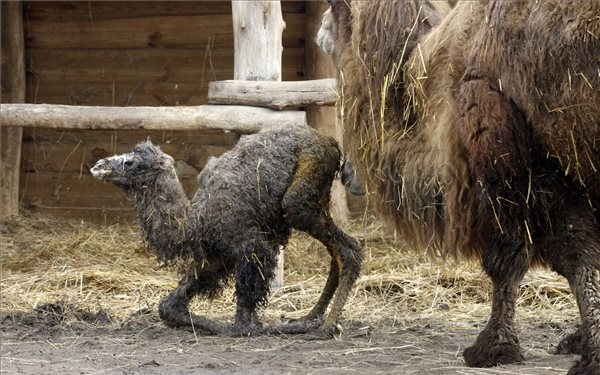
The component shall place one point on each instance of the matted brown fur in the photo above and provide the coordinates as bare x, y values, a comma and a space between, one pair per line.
377, 122
477, 132
399, 98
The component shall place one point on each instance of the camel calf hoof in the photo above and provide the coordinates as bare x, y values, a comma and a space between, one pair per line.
325, 331
309, 320
294, 327
322, 333
174, 315
250, 329
486, 355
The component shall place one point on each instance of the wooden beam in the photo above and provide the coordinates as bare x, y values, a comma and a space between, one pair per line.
273, 94
241, 119
13, 91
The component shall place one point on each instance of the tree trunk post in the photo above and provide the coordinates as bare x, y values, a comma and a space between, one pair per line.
13, 91
258, 33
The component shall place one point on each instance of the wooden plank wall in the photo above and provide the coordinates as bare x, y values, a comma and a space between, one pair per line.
126, 54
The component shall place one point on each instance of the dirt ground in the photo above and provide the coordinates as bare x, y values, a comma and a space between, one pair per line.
78, 298
42, 342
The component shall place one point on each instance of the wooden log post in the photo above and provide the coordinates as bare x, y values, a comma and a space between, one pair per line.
13, 91
319, 65
258, 33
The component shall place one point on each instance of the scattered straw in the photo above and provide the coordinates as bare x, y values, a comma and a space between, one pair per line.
107, 268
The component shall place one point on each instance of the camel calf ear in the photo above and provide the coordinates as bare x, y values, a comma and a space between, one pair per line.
165, 162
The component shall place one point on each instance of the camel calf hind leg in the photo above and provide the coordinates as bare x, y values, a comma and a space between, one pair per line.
348, 255
331, 285
306, 204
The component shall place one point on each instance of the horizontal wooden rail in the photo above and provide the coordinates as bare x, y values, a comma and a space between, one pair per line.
273, 94
242, 119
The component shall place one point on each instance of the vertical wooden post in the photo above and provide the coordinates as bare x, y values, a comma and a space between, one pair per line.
13, 91
319, 65
258, 33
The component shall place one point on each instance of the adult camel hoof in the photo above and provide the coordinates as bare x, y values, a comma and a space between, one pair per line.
572, 344
486, 355
585, 367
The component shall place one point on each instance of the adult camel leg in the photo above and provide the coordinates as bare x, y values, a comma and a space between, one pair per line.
498, 342
499, 147
584, 284
574, 252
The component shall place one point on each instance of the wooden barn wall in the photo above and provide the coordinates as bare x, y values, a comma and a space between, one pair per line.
150, 53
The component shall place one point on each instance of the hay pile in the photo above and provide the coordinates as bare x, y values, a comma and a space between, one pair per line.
92, 268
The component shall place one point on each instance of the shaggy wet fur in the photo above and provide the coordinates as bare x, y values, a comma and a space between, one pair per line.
477, 129
248, 201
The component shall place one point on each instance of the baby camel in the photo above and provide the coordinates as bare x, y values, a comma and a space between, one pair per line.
247, 202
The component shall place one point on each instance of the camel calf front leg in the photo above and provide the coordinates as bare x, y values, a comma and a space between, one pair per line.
254, 272
174, 309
